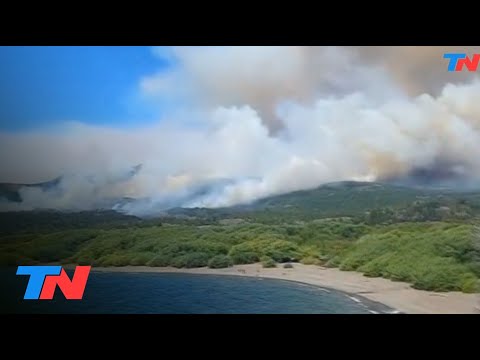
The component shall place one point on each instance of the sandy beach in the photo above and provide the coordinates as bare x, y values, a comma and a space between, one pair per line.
397, 295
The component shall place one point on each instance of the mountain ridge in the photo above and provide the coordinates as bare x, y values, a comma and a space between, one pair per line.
342, 198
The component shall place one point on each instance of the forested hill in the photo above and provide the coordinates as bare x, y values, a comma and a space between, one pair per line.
353, 199
364, 201
428, 238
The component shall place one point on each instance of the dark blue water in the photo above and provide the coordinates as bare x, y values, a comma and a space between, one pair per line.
157, 293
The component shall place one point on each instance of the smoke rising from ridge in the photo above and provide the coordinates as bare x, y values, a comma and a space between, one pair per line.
268, 120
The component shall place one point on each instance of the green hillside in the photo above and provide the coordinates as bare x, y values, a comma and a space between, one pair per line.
425, 237
352, 199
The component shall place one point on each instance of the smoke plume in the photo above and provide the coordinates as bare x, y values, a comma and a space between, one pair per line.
263, 121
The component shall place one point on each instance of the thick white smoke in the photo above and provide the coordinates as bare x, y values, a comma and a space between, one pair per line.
269, 120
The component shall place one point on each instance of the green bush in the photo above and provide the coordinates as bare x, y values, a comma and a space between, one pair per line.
471, 285
291, 231
191, 260
159, 261
333, 262
278, 250
268, 262
220, 261
86, 260
445, 280
114, 260
246, 249
141, 259
475, 267
244, 257
430, 256
281, 251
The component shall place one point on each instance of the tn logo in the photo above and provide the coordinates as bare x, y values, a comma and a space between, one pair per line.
44, 280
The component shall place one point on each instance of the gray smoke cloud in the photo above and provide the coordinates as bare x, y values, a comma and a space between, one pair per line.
263, 77
267, 120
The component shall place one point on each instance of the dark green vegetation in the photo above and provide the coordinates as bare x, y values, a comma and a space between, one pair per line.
369, 202
220, 261
426, 238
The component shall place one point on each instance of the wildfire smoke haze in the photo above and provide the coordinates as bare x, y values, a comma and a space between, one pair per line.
250, 122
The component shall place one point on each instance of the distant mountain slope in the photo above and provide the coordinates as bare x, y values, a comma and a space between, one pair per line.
349, 197
10, 191
346, 198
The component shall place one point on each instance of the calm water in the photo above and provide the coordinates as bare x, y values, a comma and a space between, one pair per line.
155, 293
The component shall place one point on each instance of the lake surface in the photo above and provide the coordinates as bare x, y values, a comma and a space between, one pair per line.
160, 293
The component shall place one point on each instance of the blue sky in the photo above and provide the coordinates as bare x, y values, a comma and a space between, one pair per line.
42, 86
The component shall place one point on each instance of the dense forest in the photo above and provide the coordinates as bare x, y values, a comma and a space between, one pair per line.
426, 238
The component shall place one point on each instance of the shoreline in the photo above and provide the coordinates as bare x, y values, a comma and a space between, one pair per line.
398, 296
